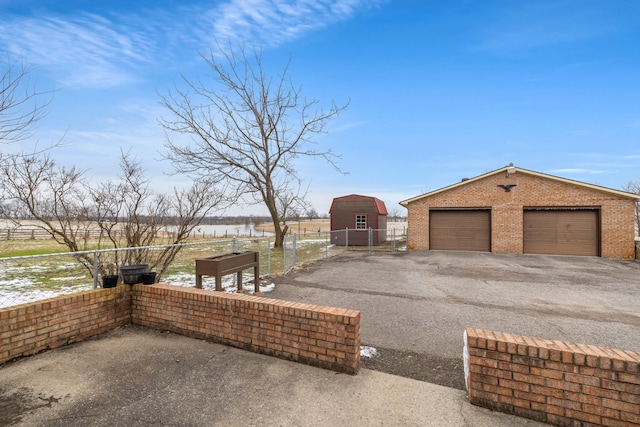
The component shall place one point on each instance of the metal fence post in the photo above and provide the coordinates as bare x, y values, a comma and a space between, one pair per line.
284, 254
369, 238
327, 239
95, 270
346, 238
268, 256
406, 235
235, 244
393, 236
293, 255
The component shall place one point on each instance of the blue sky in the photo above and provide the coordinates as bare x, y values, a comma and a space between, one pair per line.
438, 90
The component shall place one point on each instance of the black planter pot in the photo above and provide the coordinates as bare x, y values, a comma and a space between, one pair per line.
109, 281
149, 278
132, 274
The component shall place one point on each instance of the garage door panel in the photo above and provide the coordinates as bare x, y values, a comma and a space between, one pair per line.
460, 230
561, 232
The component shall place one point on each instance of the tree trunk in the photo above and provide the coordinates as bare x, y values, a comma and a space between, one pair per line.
280, 233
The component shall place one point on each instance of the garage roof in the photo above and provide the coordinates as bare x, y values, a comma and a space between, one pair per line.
513, 169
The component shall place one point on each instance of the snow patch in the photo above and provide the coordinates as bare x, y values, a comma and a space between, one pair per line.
368, 352
229, 285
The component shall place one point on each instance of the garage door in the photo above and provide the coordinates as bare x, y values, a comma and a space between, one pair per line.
561, 232
461, 230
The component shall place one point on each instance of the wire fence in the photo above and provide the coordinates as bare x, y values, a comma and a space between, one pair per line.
309, 247
31, 278
35, 277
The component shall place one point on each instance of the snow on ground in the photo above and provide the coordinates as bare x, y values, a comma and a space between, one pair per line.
368, 352
26, 289
305, 241
228, 283
21, 291
19, 284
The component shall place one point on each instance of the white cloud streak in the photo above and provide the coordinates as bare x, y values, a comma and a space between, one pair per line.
90, 50
275, 22
82, 51
572, 171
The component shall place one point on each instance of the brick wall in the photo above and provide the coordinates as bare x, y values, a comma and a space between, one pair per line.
616, 213
29, 328
553, 381
314, 335
320, 336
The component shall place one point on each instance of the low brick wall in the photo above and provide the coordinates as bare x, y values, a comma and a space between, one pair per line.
29, 328
553, 381
319, 336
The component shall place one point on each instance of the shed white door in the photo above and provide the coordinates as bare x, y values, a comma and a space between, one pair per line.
561, 232
460, 230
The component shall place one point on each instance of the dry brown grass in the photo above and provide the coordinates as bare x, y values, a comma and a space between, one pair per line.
303, 227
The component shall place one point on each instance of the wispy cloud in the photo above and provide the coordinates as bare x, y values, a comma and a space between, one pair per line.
89, 50
603, 164
274, 22
576, 171
83, 50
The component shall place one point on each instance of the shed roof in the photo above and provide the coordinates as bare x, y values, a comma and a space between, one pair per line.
380, 206
622, 194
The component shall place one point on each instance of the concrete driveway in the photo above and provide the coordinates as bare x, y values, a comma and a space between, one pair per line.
415, 306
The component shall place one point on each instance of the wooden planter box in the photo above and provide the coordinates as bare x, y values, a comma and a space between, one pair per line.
222, 265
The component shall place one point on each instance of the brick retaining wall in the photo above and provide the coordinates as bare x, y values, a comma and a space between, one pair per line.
553, 381
29, 328
319, 336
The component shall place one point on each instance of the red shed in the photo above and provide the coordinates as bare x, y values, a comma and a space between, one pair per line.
358, 214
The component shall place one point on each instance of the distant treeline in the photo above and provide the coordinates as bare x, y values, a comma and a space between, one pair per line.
210, 220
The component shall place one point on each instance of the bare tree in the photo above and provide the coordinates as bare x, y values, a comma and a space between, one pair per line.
21, 104
395, 214
312, 213
128, 214
50, 197
246, 128
634, 187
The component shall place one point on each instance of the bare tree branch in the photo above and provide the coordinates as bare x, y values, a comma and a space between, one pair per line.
128, 214
21, 104
634, 187
246, 129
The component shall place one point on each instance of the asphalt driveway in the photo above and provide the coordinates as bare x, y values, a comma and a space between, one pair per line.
415, 306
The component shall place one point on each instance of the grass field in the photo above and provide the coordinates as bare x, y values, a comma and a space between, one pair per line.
301, 227
12, 248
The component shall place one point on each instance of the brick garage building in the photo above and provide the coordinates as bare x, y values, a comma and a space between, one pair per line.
514, 210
